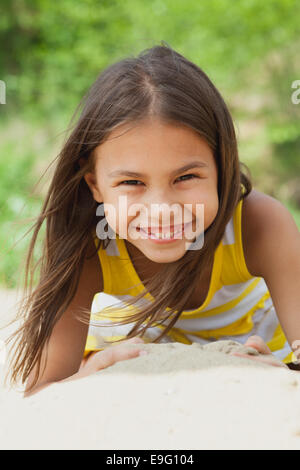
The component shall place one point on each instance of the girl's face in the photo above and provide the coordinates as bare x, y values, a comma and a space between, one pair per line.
144, 164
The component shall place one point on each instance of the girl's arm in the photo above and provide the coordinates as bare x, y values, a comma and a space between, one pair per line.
98, 361
67, 342
271, 242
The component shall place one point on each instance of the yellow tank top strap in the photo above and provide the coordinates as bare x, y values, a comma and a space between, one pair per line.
239, 251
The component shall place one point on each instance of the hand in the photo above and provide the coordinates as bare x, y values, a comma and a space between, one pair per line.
265, 356
111, 355
97, 361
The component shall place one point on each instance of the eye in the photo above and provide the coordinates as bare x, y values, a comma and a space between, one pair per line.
131, 182
185, 176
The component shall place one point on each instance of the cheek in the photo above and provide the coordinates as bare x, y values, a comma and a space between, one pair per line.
205, 206
117, 214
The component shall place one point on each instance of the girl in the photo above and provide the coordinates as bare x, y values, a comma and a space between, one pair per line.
154, 130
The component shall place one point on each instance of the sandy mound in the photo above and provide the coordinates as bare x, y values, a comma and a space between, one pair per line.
176, 397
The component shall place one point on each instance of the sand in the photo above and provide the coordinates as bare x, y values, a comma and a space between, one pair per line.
176, 397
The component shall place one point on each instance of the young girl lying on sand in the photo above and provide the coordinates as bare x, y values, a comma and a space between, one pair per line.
192, 252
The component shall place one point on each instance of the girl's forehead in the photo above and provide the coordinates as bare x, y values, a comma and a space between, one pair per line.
148, 129
153, 140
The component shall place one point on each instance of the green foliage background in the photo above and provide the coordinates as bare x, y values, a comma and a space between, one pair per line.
51, 53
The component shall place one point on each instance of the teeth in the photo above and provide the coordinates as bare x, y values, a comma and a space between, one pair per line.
165, 235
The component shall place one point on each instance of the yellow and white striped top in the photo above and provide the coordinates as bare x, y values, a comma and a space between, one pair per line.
237, 305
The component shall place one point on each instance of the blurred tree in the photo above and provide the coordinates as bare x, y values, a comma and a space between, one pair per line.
51, 53
55, 50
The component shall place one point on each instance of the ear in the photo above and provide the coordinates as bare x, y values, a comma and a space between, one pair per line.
92, 184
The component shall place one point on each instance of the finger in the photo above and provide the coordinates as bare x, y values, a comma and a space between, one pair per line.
258, 343
110, 356
135, 340
267, 360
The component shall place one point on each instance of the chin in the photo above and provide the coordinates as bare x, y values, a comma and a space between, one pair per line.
162, 256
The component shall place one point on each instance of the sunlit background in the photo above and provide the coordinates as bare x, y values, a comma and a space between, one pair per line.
51, 52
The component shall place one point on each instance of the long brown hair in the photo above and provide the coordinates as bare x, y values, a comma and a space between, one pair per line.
158, 83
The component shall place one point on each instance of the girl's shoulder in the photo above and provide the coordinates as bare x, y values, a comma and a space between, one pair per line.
262, 217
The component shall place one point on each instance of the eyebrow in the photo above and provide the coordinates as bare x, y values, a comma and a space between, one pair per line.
195, 164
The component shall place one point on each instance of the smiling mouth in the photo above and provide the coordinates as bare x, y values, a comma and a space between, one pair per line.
164, 232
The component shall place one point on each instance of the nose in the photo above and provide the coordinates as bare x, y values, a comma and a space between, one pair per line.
162, 208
